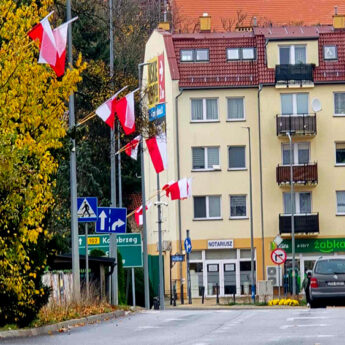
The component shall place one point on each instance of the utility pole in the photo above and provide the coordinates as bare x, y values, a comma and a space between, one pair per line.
73, 175
113, 243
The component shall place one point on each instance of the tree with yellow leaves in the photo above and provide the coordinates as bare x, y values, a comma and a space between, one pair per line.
32, 109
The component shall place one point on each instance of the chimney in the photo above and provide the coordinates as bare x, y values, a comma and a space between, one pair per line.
205, 23
255, 22
165, 26
338, 19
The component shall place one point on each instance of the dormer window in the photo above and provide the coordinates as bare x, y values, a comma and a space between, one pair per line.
194, 55
292, 55
330, 53
241, 53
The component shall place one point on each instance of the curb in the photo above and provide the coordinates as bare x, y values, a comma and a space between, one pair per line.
235, 307
57, 327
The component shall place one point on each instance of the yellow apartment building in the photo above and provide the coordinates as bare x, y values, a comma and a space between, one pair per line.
275, 81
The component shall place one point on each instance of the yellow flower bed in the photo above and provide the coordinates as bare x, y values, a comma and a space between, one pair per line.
283, 301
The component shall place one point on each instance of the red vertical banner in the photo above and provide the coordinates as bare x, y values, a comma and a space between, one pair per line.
161, 78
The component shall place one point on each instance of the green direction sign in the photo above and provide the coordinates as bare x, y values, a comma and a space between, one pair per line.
315, 245
129, 245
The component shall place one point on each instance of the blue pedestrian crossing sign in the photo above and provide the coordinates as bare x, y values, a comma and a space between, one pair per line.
111, 219
188, 245
87, 209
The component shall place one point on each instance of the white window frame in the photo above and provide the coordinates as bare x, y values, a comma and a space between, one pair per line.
335, 154
336, 52
233, 48
239, 217
208, 207
297, 203
196, 54
336, 201
206, 158
240, 53
245, 158
189, 50
204, 109
292, 52
337, 93
244, 109
294, 152
294, 103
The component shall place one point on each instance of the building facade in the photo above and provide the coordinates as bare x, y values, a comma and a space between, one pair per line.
274, 81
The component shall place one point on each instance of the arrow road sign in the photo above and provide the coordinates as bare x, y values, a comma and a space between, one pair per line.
87, 209
278, 256
188, 245
111, 219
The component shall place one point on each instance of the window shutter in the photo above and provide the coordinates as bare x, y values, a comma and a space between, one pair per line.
214, 206
236, 157
199, 207
212, 156
341, 202
198, 158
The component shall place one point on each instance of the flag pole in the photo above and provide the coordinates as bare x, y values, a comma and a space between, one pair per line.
113, 243
73, 175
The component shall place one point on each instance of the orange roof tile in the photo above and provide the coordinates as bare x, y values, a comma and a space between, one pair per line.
225, 14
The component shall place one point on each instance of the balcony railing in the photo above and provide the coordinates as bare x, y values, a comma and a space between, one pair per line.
304, 223
303, 173
299, 72
301, 124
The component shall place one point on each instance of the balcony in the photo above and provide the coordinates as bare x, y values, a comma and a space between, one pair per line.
304, 223
300, 73
301, 124
301, 174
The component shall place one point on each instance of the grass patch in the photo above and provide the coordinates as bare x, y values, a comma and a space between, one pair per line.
9, 327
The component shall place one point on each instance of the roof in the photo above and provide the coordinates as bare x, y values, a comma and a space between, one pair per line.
225, 14
64, 261
293, 32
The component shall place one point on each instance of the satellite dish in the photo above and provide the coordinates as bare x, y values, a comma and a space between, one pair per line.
316, 105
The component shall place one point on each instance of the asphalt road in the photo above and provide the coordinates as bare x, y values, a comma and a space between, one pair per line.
206, 327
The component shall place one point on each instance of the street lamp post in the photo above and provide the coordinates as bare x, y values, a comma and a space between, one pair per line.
292, 206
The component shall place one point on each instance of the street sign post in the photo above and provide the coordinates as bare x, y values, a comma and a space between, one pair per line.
188, 248
87, 209
279, 257
111, 220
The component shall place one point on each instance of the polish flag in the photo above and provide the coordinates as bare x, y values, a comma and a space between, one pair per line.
131, 148
125, 112
179, 190
60, 35
157, 147
106, 111
43, 32
138, 214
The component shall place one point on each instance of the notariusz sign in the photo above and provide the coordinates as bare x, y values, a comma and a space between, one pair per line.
220, 244
315, 245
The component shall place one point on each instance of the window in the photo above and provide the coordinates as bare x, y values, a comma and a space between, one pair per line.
241, 53
238, 207
237, 159
339, 103
205, 158
207, 207
204, 109
302, 203
192, 55
294, 103
236, 109
292, 55
341, 202
330, 53
340, 153
300, 153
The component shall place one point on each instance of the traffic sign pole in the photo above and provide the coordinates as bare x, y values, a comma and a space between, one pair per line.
188, 276
133, 287
87, 260
160, 259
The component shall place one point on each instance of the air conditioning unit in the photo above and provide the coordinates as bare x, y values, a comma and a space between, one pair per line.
166, 246
275, 275
216, 167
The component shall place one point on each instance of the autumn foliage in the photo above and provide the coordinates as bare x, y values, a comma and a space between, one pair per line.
32, 109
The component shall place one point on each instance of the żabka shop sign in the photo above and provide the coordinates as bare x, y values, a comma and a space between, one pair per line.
220, 244
317, 245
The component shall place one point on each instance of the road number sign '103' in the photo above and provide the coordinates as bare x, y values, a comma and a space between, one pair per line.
278, 256
111, 219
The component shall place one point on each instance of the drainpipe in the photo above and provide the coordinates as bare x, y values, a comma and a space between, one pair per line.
261, 190
179, 201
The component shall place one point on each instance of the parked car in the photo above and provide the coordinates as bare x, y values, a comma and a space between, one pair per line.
327, 283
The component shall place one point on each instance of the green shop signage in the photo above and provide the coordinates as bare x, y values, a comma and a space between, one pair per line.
315, 245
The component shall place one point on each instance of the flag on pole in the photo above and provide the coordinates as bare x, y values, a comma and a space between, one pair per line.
131, 148
138, 214
125, 112
157, 147
60, 35
179, 190
43, 32
106, 111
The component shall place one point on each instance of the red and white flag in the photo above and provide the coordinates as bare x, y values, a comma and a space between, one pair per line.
157, 147
138, 214
131, 148
106, 111
60, 35
125, 112
179, 190
44, 33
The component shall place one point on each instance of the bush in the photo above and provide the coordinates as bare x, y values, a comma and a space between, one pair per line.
284, 301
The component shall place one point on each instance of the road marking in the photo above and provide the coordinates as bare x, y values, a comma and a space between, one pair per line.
280, 338
170, 320
146, 327
310, 325
306, 318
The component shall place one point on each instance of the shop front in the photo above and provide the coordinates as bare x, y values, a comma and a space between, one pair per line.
222, 267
